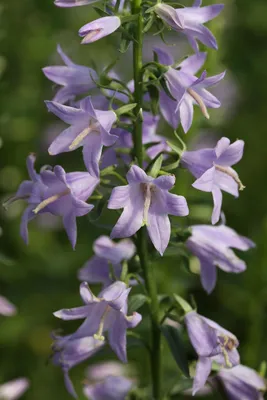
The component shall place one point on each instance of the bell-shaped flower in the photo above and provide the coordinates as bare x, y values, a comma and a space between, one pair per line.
56, 192
211, 343
106, 313
98, 268
212, 168
189, 90
172, 111
74, 79
242, 382
68, 352
146, 201
112, 388
14, 389
212, 246
73, 3
89, 128
98, 29
6, 308
190, 20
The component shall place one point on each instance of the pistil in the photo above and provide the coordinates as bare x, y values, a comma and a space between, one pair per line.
91, 35
99, 334
147, 188
50, 200
199, 101
232, 174
82, 135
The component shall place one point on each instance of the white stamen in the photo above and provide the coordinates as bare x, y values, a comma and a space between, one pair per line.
200, 102
231, 173
147, 189
228, 344
91, 35
82, 135
50, 200
99, 334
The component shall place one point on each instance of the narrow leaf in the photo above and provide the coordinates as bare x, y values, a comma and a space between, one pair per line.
125, 109
183, 303
156, 166
136, 302
176, 345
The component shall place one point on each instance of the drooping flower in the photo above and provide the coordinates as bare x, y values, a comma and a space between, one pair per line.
112, 388
146, 201
58, 193
242, 382
73, 3
68, 352
211, 343
188, 90
14, 389
75, 79
178, 77
89, 128
212, 245
212, 168
108, 312
190, 20
97, 269
6, 308
98, 29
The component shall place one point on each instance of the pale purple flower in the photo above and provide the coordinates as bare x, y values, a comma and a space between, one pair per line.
98, 29
190, 20
56, 192
73, 3
101, 371
89, 128
242, 383
108, 312
98, 269
112, 388
146, 201
68, 352
211, 343
212, 168
111, 156
188, 90
75, 79
14, 389
6, 308
212, 246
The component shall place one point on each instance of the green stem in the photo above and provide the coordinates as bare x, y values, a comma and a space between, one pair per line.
155, 356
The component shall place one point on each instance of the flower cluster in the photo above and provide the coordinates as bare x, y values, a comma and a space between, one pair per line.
131, 166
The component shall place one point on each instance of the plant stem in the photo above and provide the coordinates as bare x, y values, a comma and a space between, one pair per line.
155, 357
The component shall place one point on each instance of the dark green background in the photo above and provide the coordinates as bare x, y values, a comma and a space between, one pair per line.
41, 278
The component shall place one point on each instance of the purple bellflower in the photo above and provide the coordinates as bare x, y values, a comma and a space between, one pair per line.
211, 343
100, 371
187, 89
190, 20
89, 128
243, 383
6, 308
73, 3
108, 312
13, 390
146, 201
68, 352
112, 388
75, 79
212, 246
58, 193
97, 269
98, 29
212, 168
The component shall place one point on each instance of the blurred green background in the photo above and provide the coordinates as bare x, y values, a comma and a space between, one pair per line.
41, 278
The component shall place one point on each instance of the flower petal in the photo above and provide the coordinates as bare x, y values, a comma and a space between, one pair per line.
85, 293
217, 199
176, 205
222, 146
186, 113
168, 110
165, 182
232, 154
203, 369
119, 197
117, 336
137, 175
164, 57
206, 182
92, 150
192, 64
70, 225
208, 275
226, 183
27, 216
200, 15
159, 228
70, 115
73, 313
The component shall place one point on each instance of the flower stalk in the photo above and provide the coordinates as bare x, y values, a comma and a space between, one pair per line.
155, 357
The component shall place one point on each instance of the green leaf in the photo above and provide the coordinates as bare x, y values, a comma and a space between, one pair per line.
124, 44
176, 346
154, 97
174, 147
156, 166
137, 301
101, 12
125, 109
183, 303
172, 166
